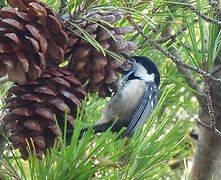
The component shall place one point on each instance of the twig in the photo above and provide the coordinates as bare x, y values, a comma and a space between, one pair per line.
62, 7
211, 128
172, 37
171, 56
206, 18
216, 69
213, 3
3, 79
165, 39
188, 76
134, 37
209, 104
161, 41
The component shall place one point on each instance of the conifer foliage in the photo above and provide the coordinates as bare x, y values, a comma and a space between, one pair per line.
34, 41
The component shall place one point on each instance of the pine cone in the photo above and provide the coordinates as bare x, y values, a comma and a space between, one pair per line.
89, 63
32, 109
31, 37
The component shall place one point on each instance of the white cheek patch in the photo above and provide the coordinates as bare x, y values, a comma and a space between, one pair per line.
142, 72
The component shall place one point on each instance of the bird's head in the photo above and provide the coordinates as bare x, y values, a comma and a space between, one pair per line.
143, 68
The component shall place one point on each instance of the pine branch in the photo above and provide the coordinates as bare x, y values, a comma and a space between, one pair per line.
171, 38
176, 60
62, 7
188, 76
210, 103
203, 16
211, 128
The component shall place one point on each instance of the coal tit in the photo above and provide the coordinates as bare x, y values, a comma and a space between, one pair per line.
134, 100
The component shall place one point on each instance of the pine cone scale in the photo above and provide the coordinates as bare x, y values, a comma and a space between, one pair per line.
45, 113
39, 11
17, 73
33, 43
56, 52
31, 97
13, 23
36, 34
22, 112
13, 14
54, 25
33, 125
24, 61
30, 25
59, 104
17, 4
61, 81
71, 97
45, 90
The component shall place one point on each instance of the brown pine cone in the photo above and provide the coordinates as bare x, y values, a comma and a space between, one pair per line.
89, 63
31, 37
35, 105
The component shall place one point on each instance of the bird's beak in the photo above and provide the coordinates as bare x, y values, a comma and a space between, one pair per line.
128, 65
128, 68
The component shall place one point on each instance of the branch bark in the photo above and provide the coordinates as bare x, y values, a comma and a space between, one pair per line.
207, 162
176, 60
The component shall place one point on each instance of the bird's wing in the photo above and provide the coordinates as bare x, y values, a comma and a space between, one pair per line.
143, 110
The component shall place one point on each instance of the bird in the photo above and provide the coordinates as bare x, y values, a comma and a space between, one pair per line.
134, 101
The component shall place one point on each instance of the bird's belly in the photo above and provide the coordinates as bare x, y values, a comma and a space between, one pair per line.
128, 100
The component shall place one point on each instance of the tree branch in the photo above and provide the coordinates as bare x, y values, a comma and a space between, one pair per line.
62, 8
203, 16
188, 76
210, 104
176, 60
211, 128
